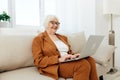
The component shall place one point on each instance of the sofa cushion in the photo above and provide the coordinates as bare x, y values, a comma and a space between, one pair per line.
77, 41
103, 54
30, 73
15, 51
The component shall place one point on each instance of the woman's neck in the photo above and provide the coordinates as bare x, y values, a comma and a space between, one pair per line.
50, 33
52, 36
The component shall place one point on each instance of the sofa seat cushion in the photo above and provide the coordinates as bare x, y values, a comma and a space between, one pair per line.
29, 73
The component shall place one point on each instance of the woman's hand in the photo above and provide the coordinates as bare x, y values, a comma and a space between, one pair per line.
77, 55
68, 56
65, 57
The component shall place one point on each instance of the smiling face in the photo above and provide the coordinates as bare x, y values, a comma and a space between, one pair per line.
53, 26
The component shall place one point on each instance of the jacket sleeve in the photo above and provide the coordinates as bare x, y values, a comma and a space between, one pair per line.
41, 60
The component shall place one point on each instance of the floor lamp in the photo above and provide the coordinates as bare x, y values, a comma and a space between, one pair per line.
111, 8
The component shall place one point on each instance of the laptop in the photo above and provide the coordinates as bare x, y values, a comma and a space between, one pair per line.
90, 48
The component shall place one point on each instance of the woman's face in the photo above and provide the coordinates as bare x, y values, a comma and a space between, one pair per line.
53, 26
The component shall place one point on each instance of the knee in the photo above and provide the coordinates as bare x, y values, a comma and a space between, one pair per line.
91, 61
85, 65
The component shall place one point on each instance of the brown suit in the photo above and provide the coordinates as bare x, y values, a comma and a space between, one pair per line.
46, 57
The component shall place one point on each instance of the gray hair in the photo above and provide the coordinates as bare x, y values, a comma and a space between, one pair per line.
48, 19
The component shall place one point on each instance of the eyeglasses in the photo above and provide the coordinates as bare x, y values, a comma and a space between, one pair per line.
53, 22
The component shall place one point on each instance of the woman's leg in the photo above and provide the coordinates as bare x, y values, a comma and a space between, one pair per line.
79, 70
93, 72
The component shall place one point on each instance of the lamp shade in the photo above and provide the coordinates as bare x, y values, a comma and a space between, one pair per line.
111, 7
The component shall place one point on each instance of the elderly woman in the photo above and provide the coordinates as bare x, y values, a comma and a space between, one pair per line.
51, 50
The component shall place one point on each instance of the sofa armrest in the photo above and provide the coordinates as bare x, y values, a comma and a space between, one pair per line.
103, 54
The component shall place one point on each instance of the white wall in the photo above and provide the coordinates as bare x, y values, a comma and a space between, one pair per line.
103, 27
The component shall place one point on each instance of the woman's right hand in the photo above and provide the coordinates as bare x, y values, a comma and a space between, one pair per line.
65, 57
68, 56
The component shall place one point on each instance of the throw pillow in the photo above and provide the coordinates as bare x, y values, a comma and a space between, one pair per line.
15, 51
76, 41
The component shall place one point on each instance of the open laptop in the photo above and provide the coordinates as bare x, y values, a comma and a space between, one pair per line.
90, 48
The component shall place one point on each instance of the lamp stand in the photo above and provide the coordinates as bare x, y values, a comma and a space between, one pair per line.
112, 42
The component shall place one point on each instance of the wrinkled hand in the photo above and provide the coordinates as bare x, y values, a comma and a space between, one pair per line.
77, 55
65, 57
68, 56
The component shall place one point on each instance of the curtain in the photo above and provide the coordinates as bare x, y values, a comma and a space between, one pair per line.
74, 15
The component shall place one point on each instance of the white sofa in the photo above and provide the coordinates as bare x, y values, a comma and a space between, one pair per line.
16, 59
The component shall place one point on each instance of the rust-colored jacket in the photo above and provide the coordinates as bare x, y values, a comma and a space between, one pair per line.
46, 54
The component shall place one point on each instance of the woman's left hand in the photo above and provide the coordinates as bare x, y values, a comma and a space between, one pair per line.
77, 55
